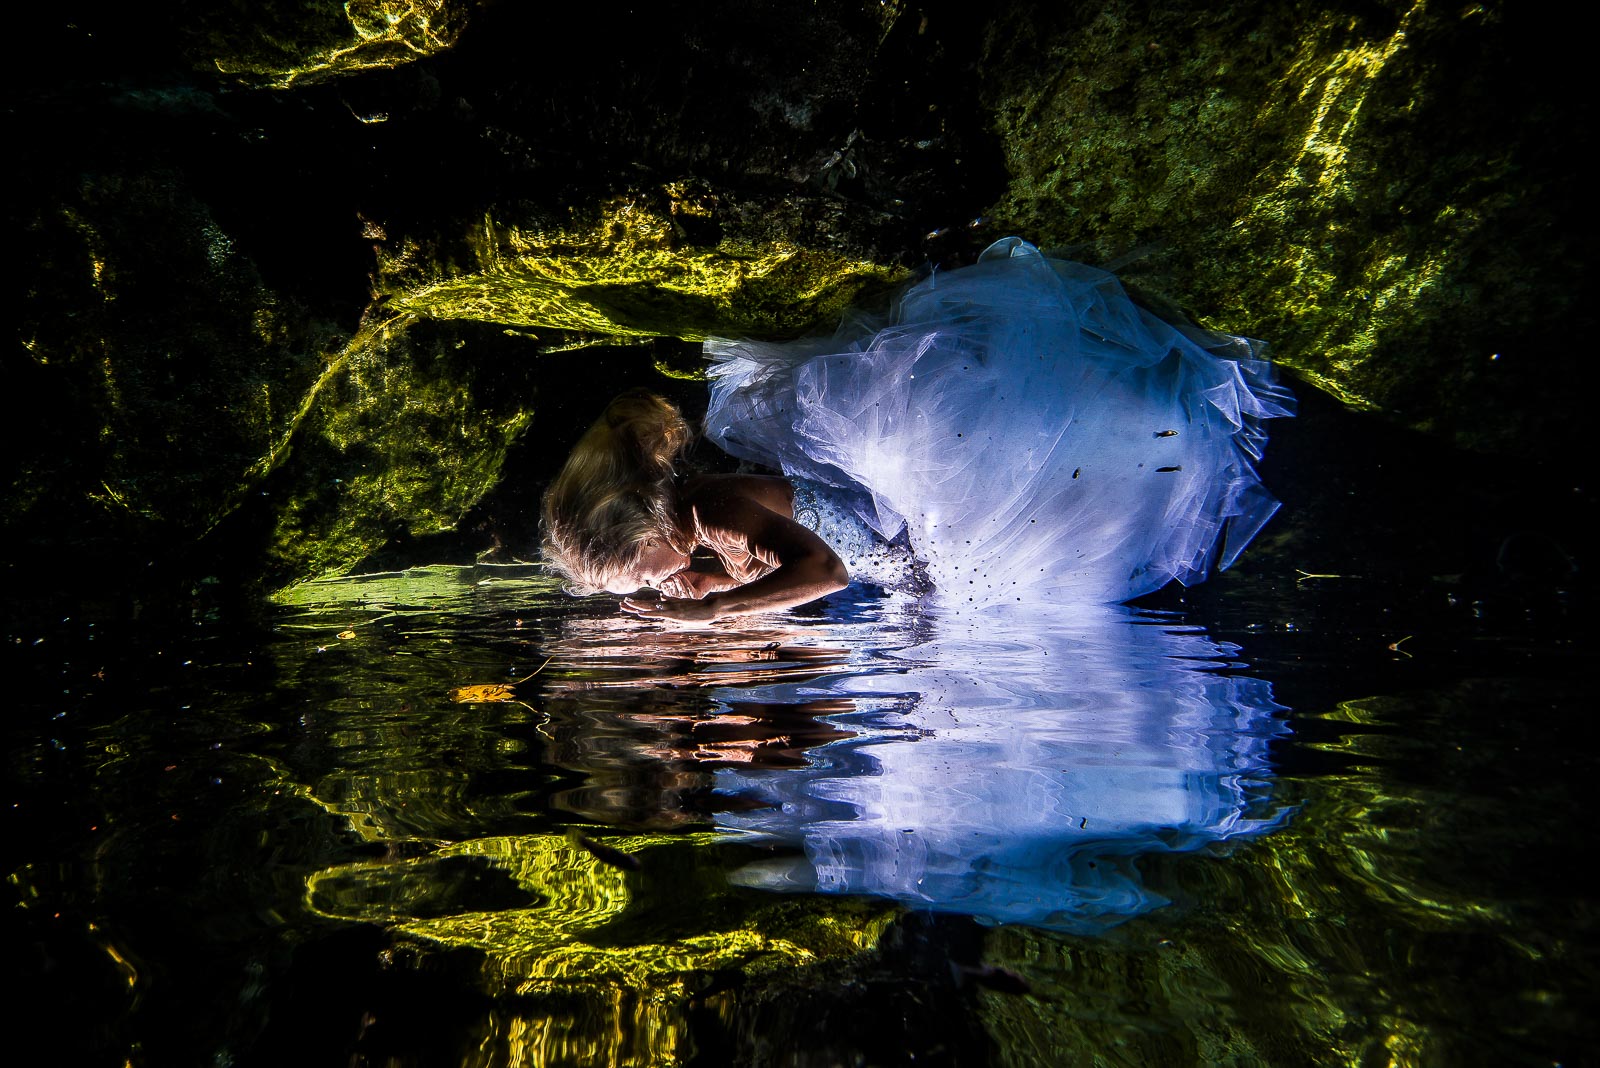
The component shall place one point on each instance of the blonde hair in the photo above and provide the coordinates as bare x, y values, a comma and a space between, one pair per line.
615, 492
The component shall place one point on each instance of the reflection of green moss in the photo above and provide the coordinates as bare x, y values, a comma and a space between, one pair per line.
578, 941
283, 43
564, 938
1320, 943
627, 271
1352, 184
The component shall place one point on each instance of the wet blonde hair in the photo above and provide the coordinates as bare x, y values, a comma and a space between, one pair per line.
616, 492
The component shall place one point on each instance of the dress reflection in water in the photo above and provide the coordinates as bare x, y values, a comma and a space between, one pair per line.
1016, 774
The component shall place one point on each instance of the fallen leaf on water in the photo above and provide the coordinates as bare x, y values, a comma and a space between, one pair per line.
493, 691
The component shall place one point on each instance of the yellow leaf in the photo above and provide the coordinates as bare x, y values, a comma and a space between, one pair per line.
495, 691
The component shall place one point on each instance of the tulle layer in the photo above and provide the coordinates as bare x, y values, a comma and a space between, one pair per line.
1037, 435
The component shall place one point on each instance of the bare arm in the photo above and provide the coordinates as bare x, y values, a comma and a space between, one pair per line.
803, 567
706, 577
807, 569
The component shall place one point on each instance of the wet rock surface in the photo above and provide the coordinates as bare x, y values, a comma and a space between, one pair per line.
311, 283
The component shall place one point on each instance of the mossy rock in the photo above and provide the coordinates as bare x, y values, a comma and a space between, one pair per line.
169, 370
1369, 187
404, 432
286, 43
1382, 191
680, 261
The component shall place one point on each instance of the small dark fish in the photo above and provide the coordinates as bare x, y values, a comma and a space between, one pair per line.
605, 854
1075, 471
1166, 433
1178, 468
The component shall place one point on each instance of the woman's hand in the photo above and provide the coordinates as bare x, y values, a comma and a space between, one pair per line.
694, 585
678, 609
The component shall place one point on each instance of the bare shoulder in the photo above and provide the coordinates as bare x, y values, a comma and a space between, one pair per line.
721, 494
754, 514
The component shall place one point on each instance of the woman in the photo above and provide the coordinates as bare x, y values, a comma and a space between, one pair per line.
618, 519
1018, 432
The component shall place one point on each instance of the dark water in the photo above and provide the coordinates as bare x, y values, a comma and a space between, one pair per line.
1292, 821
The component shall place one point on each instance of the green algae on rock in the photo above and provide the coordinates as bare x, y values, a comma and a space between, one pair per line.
639, 265
1365, 186
288, 43
181, 425
159, 416
406, 429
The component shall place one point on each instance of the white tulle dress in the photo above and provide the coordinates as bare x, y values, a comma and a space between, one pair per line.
1032, 434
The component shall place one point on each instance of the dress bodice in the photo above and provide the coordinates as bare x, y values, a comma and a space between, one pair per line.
829, 513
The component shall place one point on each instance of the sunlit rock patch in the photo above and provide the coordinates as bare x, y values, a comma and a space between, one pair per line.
1364, 188
291, 43
681, 261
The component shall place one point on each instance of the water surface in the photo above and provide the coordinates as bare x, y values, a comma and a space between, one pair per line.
450, 815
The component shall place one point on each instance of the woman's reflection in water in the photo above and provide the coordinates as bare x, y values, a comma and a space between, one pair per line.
1013, 769
649, 715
